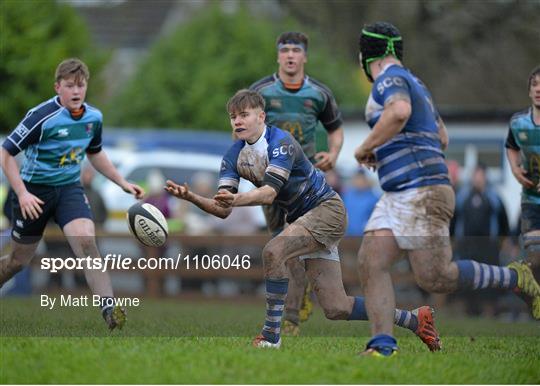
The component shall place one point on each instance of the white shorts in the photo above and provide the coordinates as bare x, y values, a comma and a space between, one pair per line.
419, 217
328, 254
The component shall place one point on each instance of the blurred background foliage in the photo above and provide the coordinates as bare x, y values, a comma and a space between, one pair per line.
34, 37
189, 75
474, 56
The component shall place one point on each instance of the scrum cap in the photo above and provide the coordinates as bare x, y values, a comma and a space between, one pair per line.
378, 40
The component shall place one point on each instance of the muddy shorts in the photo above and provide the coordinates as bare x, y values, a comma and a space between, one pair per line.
419, 218
327, 224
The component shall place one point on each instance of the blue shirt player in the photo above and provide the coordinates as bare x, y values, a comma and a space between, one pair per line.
55, 136
274, 162
412, 217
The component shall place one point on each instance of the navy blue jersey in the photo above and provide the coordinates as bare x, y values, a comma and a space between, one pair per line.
299, 111
414, 157
277, 160
54, 142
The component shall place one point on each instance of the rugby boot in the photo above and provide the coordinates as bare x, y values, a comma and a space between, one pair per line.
289, 328
115, 317
373, 352
527, 288
426, 328
261, 342
381, 346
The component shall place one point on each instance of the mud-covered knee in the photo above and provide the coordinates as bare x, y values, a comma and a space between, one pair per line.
269, 255
88, 246
336, 313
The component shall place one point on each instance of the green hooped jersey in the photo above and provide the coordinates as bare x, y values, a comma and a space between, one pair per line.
299, 111
55, 143
524, 136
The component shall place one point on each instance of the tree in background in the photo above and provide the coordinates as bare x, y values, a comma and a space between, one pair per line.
189, 75
35, 36
473, 55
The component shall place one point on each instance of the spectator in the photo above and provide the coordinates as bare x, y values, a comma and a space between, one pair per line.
360, 199
480, 222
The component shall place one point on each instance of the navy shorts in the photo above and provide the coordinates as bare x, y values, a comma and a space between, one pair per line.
530, 217
62, 203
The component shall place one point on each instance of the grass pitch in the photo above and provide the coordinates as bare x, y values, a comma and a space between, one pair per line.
181, 342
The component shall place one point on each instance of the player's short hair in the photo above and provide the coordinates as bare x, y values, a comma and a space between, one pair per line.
245, 99
72, 67
293, 38
534, 73
377, 41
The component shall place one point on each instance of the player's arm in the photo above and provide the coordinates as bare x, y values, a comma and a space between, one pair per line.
27, 133
327, 160
30, 204
103, 164
395, 115
209, 205
514, 159
330, 117
264, 195
443, 133
518, 171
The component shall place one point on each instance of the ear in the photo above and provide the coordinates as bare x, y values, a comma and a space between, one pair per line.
56, 87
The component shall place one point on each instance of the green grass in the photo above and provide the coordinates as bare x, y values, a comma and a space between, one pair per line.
209, 342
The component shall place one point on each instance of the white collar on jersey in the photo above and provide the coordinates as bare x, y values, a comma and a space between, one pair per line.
261, 138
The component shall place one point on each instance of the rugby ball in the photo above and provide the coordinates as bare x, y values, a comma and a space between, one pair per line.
147, 224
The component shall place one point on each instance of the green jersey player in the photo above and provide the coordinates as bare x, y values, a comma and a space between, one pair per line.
298, 103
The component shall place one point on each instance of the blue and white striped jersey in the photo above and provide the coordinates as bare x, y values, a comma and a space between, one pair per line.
277, 160
54, 142
413, 158
524, 136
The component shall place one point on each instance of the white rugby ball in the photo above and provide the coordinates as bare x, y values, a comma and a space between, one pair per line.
147, 224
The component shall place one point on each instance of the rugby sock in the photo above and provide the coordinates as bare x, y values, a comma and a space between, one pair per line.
402, 318
359, 309
384, 344
406, 319
103, 304
276, 290
474, 275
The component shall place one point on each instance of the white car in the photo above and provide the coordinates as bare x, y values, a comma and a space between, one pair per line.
136, 166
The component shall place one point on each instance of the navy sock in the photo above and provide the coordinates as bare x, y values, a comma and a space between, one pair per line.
474, 275
276, 290
359, 309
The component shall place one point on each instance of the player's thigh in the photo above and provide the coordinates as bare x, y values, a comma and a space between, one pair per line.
326, 280
433, 266
530, 232
29, 231
378, 251
23, 253
293, 241
73, 205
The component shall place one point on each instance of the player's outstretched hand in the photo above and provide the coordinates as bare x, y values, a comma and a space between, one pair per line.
325, 161
134, 189
30, 206
180, 191
224, 198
